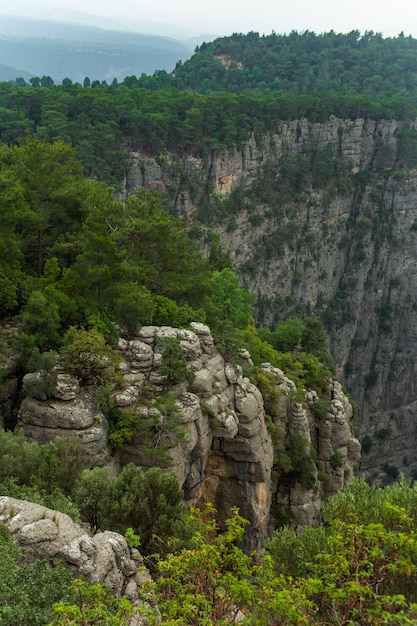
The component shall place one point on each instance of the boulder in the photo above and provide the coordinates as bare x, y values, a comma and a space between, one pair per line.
104, 558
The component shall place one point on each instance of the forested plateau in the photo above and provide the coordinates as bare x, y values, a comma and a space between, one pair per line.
178, 255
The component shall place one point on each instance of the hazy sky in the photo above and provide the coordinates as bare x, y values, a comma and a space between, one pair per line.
226, 16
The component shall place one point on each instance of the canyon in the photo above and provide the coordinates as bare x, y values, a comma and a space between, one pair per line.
344, 249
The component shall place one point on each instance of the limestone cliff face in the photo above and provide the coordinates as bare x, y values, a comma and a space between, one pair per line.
221, 449
348, 252
331, 450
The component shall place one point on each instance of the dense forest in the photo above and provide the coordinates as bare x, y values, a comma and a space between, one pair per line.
348, 76
80, 268
297, 63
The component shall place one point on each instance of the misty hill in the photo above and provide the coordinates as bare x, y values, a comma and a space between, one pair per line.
62, 50
10, 73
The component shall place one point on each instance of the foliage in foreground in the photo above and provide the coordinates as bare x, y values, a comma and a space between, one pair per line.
27, 590
92, 605
358, 569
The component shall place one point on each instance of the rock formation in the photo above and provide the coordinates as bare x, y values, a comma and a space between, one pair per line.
71, 412
220, 448
331, 450
345, 250
103, 558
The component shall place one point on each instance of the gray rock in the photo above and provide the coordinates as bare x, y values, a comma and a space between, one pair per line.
73, 415
67, 387
227, 425
104, 558
45, 421
202, 383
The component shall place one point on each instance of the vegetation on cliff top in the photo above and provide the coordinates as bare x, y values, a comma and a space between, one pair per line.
80, 267
76, 262
231, 88
304, 62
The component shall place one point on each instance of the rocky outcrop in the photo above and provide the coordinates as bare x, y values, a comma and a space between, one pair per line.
346, 251
72, 411
355, 140
225, 447
211, 433
331, 451
218, 437
103, 558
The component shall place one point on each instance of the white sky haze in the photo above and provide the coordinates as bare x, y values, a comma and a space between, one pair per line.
223, 17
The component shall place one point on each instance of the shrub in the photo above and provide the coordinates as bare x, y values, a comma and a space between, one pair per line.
267, 384
391, 470
39, 327
45, 474
321, 407
85, 353
134, 306
27, 590
123, 426
336, 460
169, 313
162, 429
174, 364
150, 503
92, 604
383, 433
91, 494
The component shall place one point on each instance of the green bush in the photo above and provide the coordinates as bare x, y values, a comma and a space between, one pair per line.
48, 472
134, 306
367, 443
28, 590
124, 424
336, 460
169, 313
39, 328
91, 494
321, 407
85, 354
43, 381
92, 605
174, 365
162, 429
267, 385
150, 503
383, 433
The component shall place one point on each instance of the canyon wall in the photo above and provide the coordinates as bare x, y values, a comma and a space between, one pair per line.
345, 250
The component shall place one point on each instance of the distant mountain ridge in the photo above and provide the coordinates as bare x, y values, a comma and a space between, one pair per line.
63, 50
10, 73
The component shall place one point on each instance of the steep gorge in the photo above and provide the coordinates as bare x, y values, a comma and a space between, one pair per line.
323, 220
